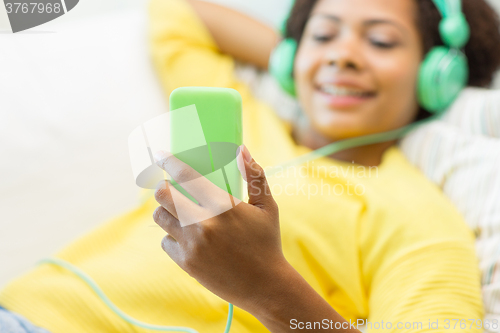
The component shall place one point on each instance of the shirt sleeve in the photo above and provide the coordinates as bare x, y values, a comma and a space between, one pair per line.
185, 54
429, 289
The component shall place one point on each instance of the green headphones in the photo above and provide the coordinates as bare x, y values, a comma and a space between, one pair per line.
442, 75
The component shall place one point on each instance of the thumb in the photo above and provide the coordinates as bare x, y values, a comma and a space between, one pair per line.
259, 192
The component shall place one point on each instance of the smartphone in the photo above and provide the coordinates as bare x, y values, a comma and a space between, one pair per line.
205, 133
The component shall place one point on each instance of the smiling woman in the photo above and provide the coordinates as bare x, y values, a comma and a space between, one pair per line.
481, 50
308, 246
355, 71
384, 43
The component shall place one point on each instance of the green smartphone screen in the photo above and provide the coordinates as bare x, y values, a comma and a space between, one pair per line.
205, 133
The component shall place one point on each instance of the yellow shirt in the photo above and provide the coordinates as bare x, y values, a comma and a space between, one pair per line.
387, 246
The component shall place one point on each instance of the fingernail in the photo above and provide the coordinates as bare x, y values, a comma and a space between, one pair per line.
246, 154
160, 155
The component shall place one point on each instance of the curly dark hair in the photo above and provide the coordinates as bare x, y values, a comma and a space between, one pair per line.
482, 50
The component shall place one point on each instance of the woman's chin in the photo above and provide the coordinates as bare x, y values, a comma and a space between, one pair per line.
341, 125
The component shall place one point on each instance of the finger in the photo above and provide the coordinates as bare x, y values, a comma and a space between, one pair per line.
168, 222
183, 209
240, 162
172, 248
199, 187
259, 192
173, 200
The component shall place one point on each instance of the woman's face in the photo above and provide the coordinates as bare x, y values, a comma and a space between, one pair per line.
356, 66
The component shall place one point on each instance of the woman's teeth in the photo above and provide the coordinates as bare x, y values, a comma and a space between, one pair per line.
342, 92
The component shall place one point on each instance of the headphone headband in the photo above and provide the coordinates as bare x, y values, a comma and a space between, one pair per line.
443, 7
447, 8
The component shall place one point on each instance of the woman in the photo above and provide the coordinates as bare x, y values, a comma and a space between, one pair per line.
382, 244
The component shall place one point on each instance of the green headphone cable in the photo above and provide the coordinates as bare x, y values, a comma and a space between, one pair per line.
92, 284
352, 143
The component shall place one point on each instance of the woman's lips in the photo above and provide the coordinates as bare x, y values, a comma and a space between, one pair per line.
343, 97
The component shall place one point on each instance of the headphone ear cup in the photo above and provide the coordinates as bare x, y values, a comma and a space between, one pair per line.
427, 81
281, 64
442, 76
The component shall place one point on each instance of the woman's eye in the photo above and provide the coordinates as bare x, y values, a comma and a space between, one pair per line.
383, 45
322, 38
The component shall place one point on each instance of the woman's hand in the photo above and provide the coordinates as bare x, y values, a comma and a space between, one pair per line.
236, 254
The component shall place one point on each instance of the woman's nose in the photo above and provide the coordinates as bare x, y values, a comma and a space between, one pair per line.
345, 53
